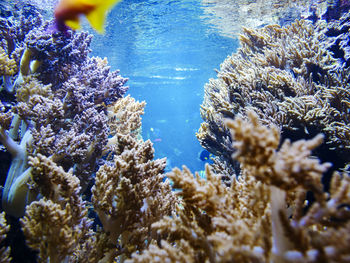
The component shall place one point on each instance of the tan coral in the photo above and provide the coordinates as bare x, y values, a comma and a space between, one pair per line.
4, 229
45, 219
5, 117
31, 86
95, 248
306, 236
287, 75
129, 194
168, 253
220, 223
125, 118
256, 150
59, 217
8, 67
261, 216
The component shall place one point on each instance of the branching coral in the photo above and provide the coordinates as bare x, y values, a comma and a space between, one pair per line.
289, 77
125, 116
128, 196
256, 151
57, 115
59, 217
305, 237
65, 127
167, 253
262, 216
129, 193
71, 132
218, 224
4, 229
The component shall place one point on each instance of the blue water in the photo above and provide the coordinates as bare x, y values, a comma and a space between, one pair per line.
168, 51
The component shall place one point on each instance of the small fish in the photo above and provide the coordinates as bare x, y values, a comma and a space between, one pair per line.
67, 13
205, 156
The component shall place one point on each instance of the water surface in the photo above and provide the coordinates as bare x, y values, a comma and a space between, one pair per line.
168, 50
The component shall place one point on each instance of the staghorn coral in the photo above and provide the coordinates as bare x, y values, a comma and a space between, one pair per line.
290, 78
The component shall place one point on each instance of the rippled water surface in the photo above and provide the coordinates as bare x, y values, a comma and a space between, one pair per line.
168, 50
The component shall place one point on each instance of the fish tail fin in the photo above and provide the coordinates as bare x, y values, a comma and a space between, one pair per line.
73, 23
98, 16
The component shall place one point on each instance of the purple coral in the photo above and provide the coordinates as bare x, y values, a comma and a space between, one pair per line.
67, 122
94, 83
59, 53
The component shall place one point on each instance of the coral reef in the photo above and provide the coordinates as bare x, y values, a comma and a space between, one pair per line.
335, 9
4, 251
263, 216
339, 39
291, 78
59, 217
56, 115
8, 66
129, 195
291, 172
83, 182
85, 186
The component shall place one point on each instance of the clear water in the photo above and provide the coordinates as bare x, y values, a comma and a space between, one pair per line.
168, 50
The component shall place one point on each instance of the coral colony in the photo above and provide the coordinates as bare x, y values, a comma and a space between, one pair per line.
85, 186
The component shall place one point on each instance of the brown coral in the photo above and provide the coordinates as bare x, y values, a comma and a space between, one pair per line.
293, 170
129, 194
288, 76
218, 223
5, 117
262, 216
59, 217
124, 118
256, 150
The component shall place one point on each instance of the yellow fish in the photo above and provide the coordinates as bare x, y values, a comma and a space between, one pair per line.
67, 13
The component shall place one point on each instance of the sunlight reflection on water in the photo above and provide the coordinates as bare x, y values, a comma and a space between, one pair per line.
168, 50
